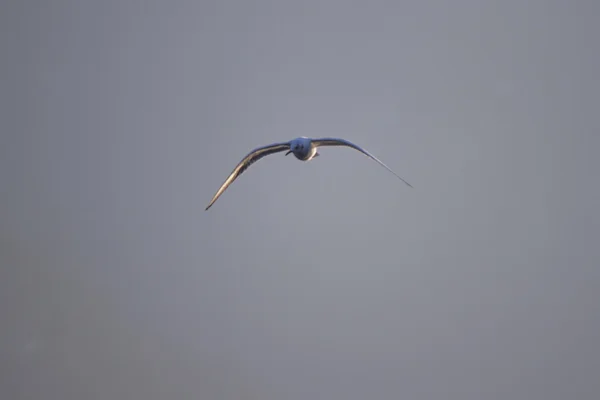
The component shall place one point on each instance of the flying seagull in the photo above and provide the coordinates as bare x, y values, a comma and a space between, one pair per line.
305, 149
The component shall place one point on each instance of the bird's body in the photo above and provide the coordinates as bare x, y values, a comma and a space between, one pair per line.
303, 148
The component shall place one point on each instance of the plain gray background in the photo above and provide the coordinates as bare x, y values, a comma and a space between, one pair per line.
322, 280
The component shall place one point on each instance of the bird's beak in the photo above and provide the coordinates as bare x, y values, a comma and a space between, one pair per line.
288, 152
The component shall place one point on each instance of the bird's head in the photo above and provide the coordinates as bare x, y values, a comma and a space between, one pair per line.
299, 146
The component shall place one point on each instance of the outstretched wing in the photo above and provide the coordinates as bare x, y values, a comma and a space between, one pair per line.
342, 142
243, 165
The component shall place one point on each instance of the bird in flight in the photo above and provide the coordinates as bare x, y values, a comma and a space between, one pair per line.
305, 149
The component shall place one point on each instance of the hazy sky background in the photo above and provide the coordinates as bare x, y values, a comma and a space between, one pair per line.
322, 280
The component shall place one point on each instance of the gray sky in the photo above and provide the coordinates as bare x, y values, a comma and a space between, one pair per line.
322, 280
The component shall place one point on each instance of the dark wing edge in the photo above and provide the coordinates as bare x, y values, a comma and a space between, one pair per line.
243, 165
342, 142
